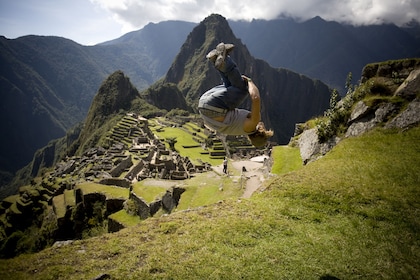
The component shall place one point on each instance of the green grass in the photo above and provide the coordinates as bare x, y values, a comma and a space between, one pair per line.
70, 199
60, 205
207, 188
202, 189
353, 214
12, 199
148, 192
288, 159
193, 128
109, 191
187, 140
126, 219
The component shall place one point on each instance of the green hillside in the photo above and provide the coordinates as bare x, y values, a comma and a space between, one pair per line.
353, 214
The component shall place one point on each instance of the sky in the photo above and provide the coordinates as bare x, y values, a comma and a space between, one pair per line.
89, 22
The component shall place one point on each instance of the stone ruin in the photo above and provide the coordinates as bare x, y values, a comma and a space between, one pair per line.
126, 161
107, 165
133, 154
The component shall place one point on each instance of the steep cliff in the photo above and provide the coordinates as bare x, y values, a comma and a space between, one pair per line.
287, 97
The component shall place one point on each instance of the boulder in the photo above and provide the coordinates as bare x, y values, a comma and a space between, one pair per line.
310, 147
360, 110
371, 119
409, 117
410, 88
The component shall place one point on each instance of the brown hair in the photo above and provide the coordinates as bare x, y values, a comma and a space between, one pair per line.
260, 136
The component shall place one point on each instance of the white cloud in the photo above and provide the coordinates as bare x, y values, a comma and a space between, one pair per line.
134, 14
94, 21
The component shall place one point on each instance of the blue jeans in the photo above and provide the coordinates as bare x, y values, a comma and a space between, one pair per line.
229, 95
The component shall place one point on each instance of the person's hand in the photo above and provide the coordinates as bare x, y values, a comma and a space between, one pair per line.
245, 78
252, 88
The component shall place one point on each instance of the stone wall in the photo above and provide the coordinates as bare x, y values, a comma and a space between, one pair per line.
114, 205
134, 171
171, 198
123, 183
121, 167
114, 225
142, 207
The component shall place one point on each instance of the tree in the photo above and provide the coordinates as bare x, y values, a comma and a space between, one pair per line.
349, 85
171, 142
334, 99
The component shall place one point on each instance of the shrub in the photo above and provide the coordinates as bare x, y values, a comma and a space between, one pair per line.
177, 112
8, 249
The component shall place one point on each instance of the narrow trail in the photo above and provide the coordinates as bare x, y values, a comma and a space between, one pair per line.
254, 174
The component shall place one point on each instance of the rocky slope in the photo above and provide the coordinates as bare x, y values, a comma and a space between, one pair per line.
388, 96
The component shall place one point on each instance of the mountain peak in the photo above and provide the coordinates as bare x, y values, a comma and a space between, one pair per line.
116, 93
193, 75
190, 70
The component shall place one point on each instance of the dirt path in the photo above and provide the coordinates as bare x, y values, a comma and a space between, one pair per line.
254, 173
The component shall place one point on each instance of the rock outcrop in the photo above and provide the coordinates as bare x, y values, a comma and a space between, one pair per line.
409, 117
400, 80
310, 146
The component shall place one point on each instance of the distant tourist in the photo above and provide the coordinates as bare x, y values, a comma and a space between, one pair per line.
218, 106
225, 162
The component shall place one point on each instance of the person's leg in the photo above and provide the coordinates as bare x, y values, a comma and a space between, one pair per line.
236, 88
231, 76
226, 66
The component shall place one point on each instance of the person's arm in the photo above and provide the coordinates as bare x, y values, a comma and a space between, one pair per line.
250, 123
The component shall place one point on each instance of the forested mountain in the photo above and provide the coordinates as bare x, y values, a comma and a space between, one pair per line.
326, 50
47, 83
287, 97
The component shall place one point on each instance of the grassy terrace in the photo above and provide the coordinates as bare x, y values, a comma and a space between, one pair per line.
120, 133
186, 138
59, 205
148, 190
202, 189
11, 199
193, 128
353, 214
125, 219
61, 202
108, 191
